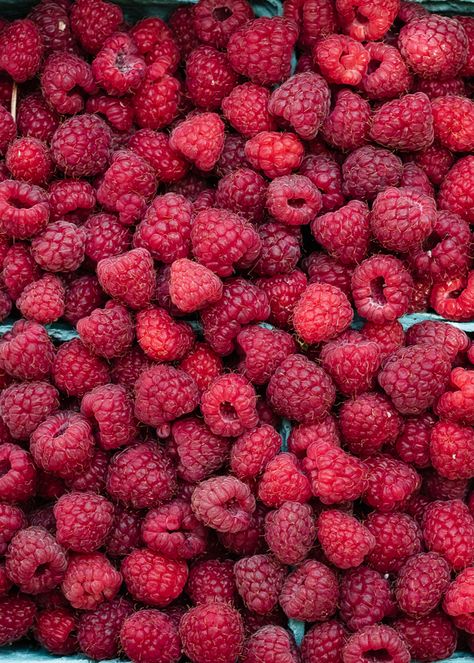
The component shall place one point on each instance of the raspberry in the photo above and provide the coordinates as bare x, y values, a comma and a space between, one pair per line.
323, 643
262, 351
156, 43
199, 138
7, 128
26, 352
458, 600
173, 530
322, 312
310, 593
451, 339
43, 300
413, 43
421, 583
181, 22
149, 636
81, 146
60, 247
105, 237
199, 452
275, 154
214, 21
161, 337
269, 643
322, 268
454, 299
295, 373
127, 469
246, 109
302, 435
249, 541
53, 22
228, 405
90, 579
404, 124
397, 537
63, 79
93, 21
223, 503
376, 640
455, 405
369, 171
325, 173
93, 479
35, 118
252, 451
193, 286
18, 614
448, 529
352, 364
389, 483
290, 532
21, 48
98, 631
55, 629
71, 200
76, 370
452, 450
83, 521
209, 77
28, 159
365, 598
63, 444
347, 125
414, 377
110, 407
117, 67
259, 580
368, 422
341, 59
335, 476
156, 102
284, 481
212, 581
293, 200
243, 192
232, 156
202, 364
413, 443
364, 20
212, 632
24, 209
128, 277
453, 118
344, 540
19, 269
283, 291
280, 249
438, 487
108, 332
429, 638
117, 112
34, 561
314, 19
387, 74
416, 178
435, 161
25, 405
12, 519
124, 535
154, 147
153, 579
344, 233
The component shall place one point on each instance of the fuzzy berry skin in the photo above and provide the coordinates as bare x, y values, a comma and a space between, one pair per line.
81, 146
271, 642
42, 301
26, 352
35, 561
156, 102
149, 636
421, 583
429, 638
153, 579
23, 406
154, 147
55, 630
344, 233
200, 639
322, 268
24, 209
275, 154
93, 21
389, 483
98, 631
155, 43
390, 78
310, 592
413, 444
281, 193
212, 581
76, 370
19, 269
347, 124
262, 351
223, 503
370, 170
128, 277
90, 579
323, 643
452, 450
83, 521
366, 598
325, 174
124, 535
198, 451
456, 405
344, 540
18, 614
229, 405
453, 299
380, 638
259, 580
63, 78
457, 601
246, 109
93, 478
60, 247
202, 364
404, 124
243, 191
448, 529
29, 160
105, 237
397, 537
283, 291
18, 483
21, 48
302, 435
322, 312
108, 332
12, 519
173, 530
71, 200
253, 450
290, 532
200, 139
209, 77
453, 118
280, 249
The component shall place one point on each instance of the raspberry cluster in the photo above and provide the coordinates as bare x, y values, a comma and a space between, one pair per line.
212, 222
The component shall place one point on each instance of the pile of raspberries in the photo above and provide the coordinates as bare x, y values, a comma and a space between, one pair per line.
233, 213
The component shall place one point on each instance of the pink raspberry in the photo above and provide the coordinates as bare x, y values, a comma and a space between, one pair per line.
110, 407
376, 638
108, 332
458, 600
199, 453
24, 209
310, 592
347, 124
71, 200
125, 533
223, 503
283, 291
246, 109
83, 521
161, 337
369, 171
366, 598
274, 153
76, 370
262, 351
341, 59
344, 540
454, 298
128, 277
325, 174
452, 450
202, 364
352, 364
284, 481
98, 631
55, 629
81, 146
448, 529
12, 520
156, 102
322, 312
215, 22
64, 78
323, 643
23, 406
283, 191
29, 160
455, 404
404, 124
153, 579
154, 147
105, 237
200, 639
453, 118
93, 21
367, 20
335, 476
253, 450
21, 48
389, 483
174, 531
421, 583
200, 139
397, 537
118, 68
290, 532
209, 77
90, 579
18, 615
26, 352
243, 192
387, 75
429, 638
149, 636
344, 233
259, 580
280, 249
60, 247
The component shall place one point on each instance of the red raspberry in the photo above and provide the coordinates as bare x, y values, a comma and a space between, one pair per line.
284, 481
202, 364
440, 488
283, 291
283, 191
149, 636
389, 483
404, 124
93, 479
83, 521
262, 351
271, 642
21, 48
421, 583
280, 249
212, 581
26, 352
302, 435
366, 598
161, 337
199, 138
18, 614
259, 580
310, 593
347, 125
105, 237
243, 192
125, 534
242, 303
23, 406
344, 540
19, 269
387, 74
214, 22
456, 405
43, 300
410, 10
458, 600
435, 161
154, 147
174, 531
128, 277
231, 158
90, 139
90, 579
7, 128
29, 160
71, 200
98, 631
24, 209
223, 503
108, 332
341, 59
93, 21
126, 369
246, 109
209, 77
228, 405
212, 632
193, 286
453, 118
413, 443
35, 118
415, 177
325, 173
110, 407
55, 629
368, 422
76, 370
376, 640
452, 450
60, 247
322, 268
290, 532
249, 541
323, 643
117, 67
156, 102
369, 171
127, 469
153, 579
429, 638
451, 339
199, 452
284, 390
352, 364
253, 450
335, 476
12, 519
181, 22
397, 537
344, 233
117, 112
276, 154
63, 444
448, 529
63, 79
34, 561
454, 299
322, 312
53, 21
366, 20
156, 43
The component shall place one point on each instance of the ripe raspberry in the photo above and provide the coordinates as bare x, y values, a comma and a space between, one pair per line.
415, 177
284, 390
376, 640
26, 352
71, 200
64, 78
24, 209
60, 247
118, 68
283, 291
322, 268
117, 112
413, 444
55, 630
128, 277
352, 364
341, 59
368, 422
53, 21
21, 48
302, 435
153, 579
212, 632
275, 154
90, 579
454, 299
228, 405
451, 339
344, 233
387, 74
43, 300
231, 158
193, 286
98, 631
347, 125
259, 580
156, 44
125, 533
448, 529
282, 193
322, 312
335, 476
12, 519
19, 269
323, 643
105, 237
310, 593
199, 138
173, 530
249, 541
452, 449
325, 174
34, 561
280, 249
181, 22
271, 642
404, 124
83, 521
149, 636
369, 171
18, 614
397, 537
209, 77
246, 109
18, 480
93, 21
262, 351
110, 407
214, 21
421, 583
156, 102
93, 479
455, 405
202, 364
243, 192
29, 160
290, 532
429, 638
76, 370
108, 332
199, 453
440, 488
458, 600
223, 503
161, 337
7, 128
154, 147
81, 146
35, 118
284, 481
212, 581
366, 598
23, 406
389, 483
435, 161
365, 20
344, 540
252, 451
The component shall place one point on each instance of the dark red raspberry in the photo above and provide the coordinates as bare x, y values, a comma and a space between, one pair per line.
429, 638
344, 540
435, 161
310, 593
29, 160
174, 531
397, 537
246, 109
23, 406
153, 579
181, 22
448, 529
76, 370
98, 631
452, 450
455, 405
352, 364
200, 139
323, 643
53, 21
347, 125
128, 277
215, 21
118, 68
198, 451
90, 580
81, 146
202, 364
83, 521
283, 291
212, 581
161, 337
108, 332
387, 74
93, 21
262, 351
154, 147
223, 503
156, 44
440, 488
18, 614
12, 519
252, 451
284, 481
125, 533
127, 368
105, 237
344, 233
322, 312
55, 629
35, 118
280, 249
18, 480
376, 640
149, 636
7, 128
26, 352
370, 170
389, 483
19, 269
458, 600
231, 158
322, 268
200, 639
60, 247
341, 59
64, 78
271, 641
413, 443
366, 20
21, 49
249, 541
314, 19
110, 407
366, 598
404, 124
71, 200
325, 173
290, 532
335, 476
34, 561
243, 192
42, 300
283, 191
156, 102
209, 77
415, 178
24, 209
228, 405
93, 479
118, 112
275, 154
302, 435
453, 118
421, 583
259, 580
